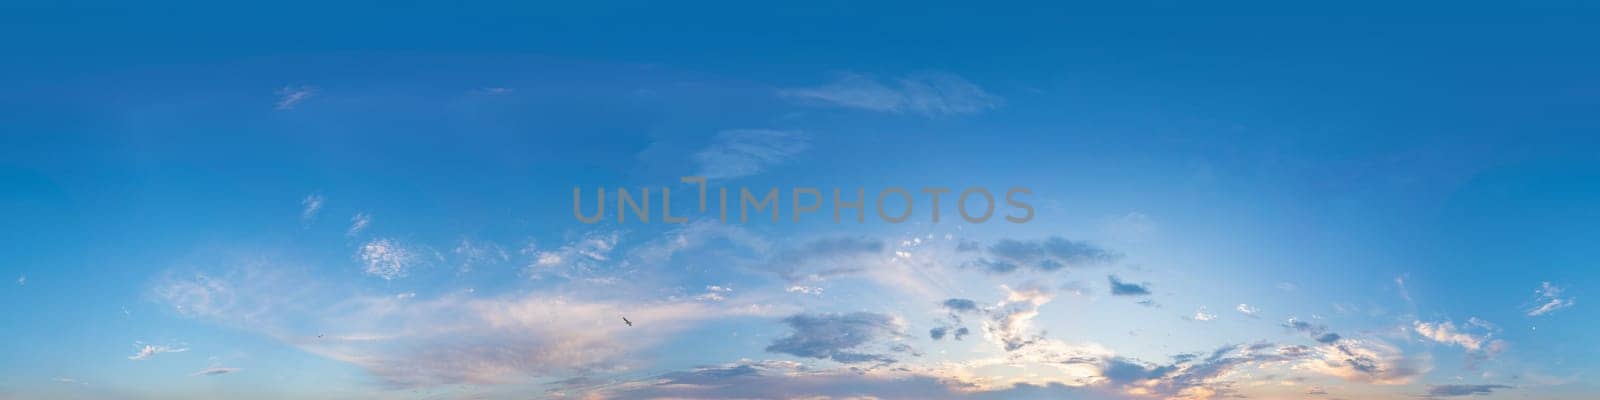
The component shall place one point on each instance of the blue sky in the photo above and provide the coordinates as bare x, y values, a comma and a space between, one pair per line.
330, 202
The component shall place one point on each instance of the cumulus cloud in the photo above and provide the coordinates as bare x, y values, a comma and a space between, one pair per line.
1247, 310
1365, 360
1446, 332
1549, 300
1047, 255
838, 337
291, 96
1120, 288
387, 259
1437, 391
1010, 323
745, 152
151, 350
1203, 316
931, 94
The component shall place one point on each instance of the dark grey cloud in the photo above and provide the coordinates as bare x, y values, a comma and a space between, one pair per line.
1435, 391
838, 337
1051, 254
1316, 332
1120, 288
961, 306
957, 332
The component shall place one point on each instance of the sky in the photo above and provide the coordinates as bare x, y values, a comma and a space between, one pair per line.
1191, 201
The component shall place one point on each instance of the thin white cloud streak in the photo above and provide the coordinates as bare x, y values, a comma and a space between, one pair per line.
358, 223
310, 205
1549, 300
291, 96
745, 152
931, 94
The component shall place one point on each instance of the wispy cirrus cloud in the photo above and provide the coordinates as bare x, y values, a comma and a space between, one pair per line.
293, 95
358, 223
745, 152
932, 94
1548, 300
310, 205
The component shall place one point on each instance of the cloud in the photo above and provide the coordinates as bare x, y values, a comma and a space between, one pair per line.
1048, 255
1435, 391
1316, 332
745, 152
22, 280
470, 253
787, 380
837, 337
801, 289
577, 258
150, 350
448, 339
1120, 288
358, 223
1010, 323
290, 96
70, 381
1549, 300
960, 305
214, 371
1364, 360
1195, 375
714, 293
1247, 310
932, 94
310, 205
494, 91
956, 332
1203, 316
387, 259
1446, 332
823, 258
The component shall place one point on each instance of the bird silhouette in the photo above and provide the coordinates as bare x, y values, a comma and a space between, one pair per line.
626, 321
